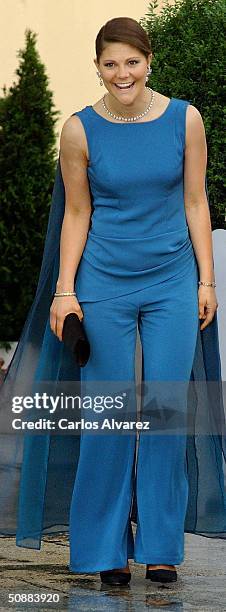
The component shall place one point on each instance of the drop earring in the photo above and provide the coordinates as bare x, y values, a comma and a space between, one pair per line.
149, 71
101, 80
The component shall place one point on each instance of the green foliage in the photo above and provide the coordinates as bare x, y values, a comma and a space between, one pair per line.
187, 40
27, 169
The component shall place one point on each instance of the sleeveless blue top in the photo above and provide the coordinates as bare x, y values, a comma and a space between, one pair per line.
138, 235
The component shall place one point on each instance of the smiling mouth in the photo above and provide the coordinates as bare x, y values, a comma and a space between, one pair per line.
124, 88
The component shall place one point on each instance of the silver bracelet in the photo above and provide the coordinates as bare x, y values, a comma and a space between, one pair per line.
64, 293
213, 284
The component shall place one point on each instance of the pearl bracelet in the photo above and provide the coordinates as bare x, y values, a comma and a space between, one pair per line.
213, 284
64, 293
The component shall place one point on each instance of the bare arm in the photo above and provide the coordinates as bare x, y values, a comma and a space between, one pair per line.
76, 221
197, 208
77, 202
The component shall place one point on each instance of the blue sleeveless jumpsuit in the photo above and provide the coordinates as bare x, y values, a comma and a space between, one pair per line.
138, 268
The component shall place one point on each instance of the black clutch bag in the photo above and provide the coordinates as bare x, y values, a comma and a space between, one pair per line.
75, 338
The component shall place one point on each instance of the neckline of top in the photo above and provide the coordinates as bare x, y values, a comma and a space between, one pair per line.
132, 122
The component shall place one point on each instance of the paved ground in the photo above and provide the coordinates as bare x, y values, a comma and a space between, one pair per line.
201, 581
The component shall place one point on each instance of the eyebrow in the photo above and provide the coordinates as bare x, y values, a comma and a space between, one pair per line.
128, 58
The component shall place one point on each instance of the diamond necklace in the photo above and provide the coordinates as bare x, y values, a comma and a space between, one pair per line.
130, 118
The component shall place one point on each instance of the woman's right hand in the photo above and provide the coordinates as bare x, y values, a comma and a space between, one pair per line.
60, 308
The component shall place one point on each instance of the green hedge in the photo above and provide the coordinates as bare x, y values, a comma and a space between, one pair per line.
188, 43
27, 169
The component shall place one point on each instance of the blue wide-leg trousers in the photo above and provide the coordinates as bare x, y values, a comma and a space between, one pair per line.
100, 530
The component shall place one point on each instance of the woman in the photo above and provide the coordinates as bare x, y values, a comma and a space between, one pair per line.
143, 157
137, 266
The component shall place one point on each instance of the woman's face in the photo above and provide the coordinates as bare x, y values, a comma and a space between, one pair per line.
119, 64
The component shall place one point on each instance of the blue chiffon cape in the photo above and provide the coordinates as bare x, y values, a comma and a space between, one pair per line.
37, 472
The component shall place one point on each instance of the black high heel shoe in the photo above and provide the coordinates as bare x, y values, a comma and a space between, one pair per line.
115, 578
161, 575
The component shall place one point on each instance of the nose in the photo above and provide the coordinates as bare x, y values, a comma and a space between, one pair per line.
123, 73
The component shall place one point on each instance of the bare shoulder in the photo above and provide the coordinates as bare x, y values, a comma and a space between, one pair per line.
194, 120
73, 139
193, 115
195, 129
73, 163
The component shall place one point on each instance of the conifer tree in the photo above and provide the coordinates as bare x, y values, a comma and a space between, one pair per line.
27, 169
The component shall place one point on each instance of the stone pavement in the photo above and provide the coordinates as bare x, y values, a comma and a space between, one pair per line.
201, 581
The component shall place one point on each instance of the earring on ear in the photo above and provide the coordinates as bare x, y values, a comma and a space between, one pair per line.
101, 80
149, 71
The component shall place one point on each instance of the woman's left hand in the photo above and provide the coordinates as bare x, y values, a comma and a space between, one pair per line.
207, 304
